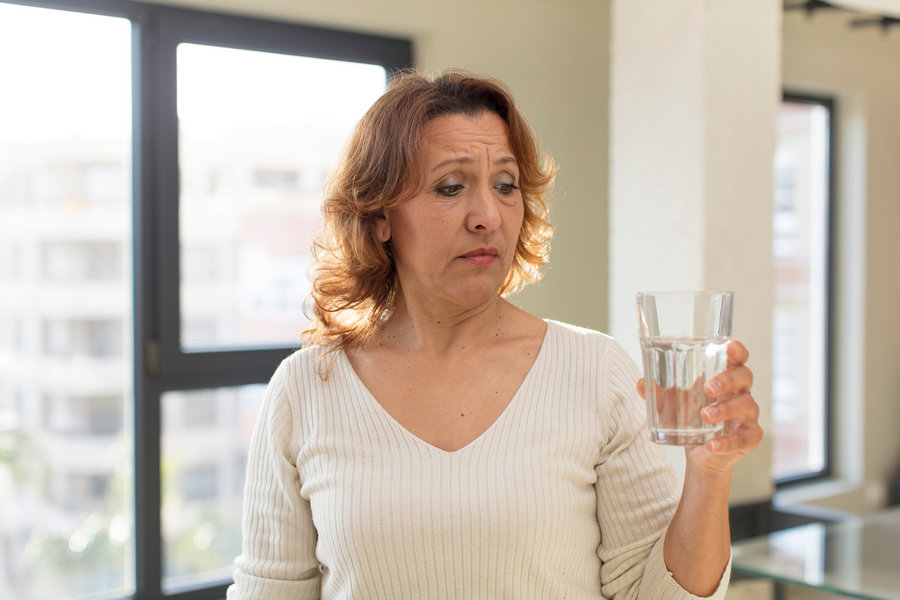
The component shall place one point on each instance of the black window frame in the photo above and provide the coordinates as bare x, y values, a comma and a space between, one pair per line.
830, 104
160, 364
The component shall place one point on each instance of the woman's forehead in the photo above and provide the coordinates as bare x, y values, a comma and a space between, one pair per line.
460, 134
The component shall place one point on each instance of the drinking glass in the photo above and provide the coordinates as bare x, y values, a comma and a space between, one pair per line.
683, 336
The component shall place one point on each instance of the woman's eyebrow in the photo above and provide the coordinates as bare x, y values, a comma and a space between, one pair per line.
465, 160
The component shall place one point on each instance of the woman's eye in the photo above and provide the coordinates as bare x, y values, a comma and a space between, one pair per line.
506, 188
449, 190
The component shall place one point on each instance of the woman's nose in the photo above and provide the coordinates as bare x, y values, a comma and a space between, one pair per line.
484, 214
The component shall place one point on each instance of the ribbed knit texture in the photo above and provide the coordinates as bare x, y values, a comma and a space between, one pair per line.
564, 496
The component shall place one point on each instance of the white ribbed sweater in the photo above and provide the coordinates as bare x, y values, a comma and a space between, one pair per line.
564, 496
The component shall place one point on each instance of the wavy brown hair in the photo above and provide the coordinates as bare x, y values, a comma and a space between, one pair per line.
355, 280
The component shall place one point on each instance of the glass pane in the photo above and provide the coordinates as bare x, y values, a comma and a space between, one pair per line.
205, 436
800, 319
850, 558
66, 517
258, 134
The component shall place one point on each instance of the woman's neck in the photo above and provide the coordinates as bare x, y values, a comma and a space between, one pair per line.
437, 331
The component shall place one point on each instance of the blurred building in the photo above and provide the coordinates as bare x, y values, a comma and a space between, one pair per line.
66, 320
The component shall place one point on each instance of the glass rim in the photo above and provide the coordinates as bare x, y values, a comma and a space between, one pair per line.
685, 293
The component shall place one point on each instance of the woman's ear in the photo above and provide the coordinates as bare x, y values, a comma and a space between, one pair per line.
382, 229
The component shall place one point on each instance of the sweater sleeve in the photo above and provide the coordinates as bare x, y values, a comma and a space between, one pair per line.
637, 493
278, 557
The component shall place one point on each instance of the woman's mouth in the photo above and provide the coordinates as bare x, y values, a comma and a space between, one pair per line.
481, 256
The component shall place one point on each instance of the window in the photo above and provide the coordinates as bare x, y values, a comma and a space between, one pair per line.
66, 447
203, 481
160, 180
801, 252
248, 120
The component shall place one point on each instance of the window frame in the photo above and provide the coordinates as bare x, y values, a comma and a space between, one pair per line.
160, 364
830, 104
175, 26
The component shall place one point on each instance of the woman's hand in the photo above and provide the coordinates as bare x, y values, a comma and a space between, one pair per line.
736, 408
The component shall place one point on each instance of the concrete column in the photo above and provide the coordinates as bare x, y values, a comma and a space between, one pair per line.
694, 89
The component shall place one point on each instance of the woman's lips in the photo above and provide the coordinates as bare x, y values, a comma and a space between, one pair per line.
481, 256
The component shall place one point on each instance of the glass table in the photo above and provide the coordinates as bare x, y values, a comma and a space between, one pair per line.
857, 558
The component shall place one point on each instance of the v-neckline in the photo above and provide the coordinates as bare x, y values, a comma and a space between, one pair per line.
379, 408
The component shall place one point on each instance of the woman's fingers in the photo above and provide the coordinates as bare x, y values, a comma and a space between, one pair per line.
736, 408
741, 415
737, 353
741, 441
732, 380
740, 406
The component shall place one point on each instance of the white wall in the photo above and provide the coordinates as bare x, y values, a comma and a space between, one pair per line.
693, 99
554, 57
861, 68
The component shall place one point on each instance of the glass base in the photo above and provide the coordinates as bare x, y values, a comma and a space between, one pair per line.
684, 437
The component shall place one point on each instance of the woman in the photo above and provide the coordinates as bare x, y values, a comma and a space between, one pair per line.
435, 441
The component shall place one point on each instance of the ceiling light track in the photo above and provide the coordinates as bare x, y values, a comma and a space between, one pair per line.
863, 21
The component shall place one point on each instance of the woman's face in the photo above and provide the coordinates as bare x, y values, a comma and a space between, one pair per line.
454, 240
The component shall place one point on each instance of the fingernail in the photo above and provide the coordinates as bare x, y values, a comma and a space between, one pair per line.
715, 445
711, 412
714, 385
